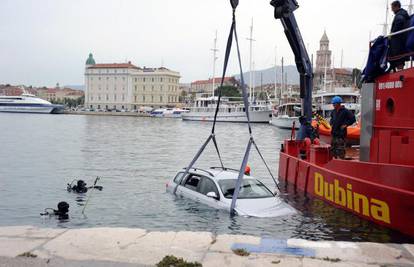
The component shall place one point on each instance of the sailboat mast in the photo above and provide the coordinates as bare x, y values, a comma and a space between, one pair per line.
254, 81
251, 60
275, 73
385, 25
283, 80
325, 74
215, 50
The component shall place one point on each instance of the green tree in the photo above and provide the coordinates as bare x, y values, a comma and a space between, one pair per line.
229, 91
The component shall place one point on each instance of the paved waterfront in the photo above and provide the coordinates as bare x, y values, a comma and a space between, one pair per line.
138, 247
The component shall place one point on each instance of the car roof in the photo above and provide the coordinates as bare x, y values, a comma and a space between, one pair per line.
218, 173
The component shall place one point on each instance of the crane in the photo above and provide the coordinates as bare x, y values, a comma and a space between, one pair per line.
284, 11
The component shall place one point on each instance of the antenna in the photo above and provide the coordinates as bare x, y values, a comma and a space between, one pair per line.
215, 50
342, 58
251, 59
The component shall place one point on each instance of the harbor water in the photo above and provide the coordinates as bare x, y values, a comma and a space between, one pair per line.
135, 157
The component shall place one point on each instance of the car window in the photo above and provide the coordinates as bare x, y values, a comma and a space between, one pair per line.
250, 188
207, 186
192, 182
178, 178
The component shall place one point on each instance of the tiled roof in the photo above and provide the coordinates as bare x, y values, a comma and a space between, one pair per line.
216, 80
343, 71
114, 66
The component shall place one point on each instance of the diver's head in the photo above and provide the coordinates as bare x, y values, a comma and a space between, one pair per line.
81, 183
63, 207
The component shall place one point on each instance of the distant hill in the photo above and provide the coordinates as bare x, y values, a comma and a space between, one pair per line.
75, 87
269, 75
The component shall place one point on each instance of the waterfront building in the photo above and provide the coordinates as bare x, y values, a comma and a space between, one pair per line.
206, 86
58, 94
124, 86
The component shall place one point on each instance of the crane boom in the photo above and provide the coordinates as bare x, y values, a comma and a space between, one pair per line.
284, 11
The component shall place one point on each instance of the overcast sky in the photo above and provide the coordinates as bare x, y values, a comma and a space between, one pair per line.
43, 42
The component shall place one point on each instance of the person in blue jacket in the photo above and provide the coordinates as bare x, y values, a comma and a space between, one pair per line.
397, 42
341, 118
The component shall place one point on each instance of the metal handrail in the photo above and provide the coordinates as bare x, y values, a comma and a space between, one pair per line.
400, 32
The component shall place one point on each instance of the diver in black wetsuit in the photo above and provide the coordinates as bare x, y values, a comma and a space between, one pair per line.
81, 188
61, 213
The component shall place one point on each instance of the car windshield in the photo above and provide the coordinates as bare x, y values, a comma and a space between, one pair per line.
250, 188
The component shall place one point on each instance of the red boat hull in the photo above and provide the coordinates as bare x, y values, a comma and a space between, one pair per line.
381, 193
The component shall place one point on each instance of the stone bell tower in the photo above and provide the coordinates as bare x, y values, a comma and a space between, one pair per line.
323, 55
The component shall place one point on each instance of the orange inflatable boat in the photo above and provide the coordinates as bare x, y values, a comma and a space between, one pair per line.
353, 133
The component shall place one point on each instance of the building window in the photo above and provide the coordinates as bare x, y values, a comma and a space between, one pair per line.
106, 107
144, 80
123, 78
115, 78
161, 88
91, 106
136, 87
99, 106
115, 97
107, 97
152, 79
107, 78
143, 88
143, 98
99, 78
161, 79
160, 98
135, 98
136, 80
116, 71
123, 97
152, 88
152, 99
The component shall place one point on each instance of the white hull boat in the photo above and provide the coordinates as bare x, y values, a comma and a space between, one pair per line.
28, 104
205, 107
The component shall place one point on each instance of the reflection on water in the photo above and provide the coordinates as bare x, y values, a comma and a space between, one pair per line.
41, 154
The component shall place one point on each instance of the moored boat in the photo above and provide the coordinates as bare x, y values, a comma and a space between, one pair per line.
27, 103
286, 115
175, 113
230, 111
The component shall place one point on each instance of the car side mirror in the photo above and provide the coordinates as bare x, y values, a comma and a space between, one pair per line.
212, 195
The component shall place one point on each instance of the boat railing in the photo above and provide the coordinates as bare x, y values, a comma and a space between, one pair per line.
409, 54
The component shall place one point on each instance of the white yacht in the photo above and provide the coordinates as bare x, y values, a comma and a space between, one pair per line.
27, 103
230, 111
323, 101
285, 115
168, 113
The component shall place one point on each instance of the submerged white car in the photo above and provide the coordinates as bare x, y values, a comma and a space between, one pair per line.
215, 188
